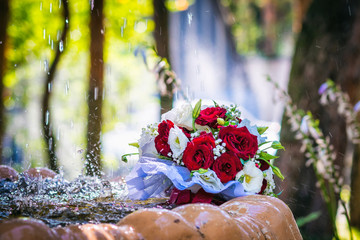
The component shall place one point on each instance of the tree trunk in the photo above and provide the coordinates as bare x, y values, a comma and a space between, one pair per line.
95, 95
320, 54
350, 81
47, 122
161, 36
4, 18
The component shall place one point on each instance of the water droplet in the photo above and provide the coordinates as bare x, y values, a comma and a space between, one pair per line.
140, 26
47, 117
59, 3
58, 133
41, 6
50, 7
44, 31
190, 17
49, 87
46, 65
96, 90
50, 144
67, 87
61, 46
58, 35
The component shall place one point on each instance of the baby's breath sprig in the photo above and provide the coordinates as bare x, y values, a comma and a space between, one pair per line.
320, 154
233, 114
331, 93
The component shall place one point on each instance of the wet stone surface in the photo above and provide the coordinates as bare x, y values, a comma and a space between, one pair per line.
58, 202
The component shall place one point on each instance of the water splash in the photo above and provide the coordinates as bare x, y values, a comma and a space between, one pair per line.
60, 202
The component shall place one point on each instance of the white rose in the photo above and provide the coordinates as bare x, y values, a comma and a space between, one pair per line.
251, 176
208, 178
181, 115
177, 141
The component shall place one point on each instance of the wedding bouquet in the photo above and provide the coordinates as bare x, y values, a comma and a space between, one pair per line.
201, 152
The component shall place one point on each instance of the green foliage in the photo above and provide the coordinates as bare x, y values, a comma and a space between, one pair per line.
33, 32
249, 26
196, 112
307, 219
262, 130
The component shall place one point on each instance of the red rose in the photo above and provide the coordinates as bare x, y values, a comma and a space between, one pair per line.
263, 165
239, 141
227, 166
263, 187
199, 152
161, 140
209, 116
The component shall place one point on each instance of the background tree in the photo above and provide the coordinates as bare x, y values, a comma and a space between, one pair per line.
4, 18
95, 94
322, 52
47, 123
161, 35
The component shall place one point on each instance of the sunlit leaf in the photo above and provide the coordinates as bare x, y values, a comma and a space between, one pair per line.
134, 144
277, 172
277, 145
266, 156
261, 130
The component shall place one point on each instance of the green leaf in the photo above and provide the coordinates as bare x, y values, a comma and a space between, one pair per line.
266, 156
215, 103
261, 144
301, 221
261, 130
200, 170
242, 161
135, 144
197, 109
124, 158
277, 145
277, 172
196, 112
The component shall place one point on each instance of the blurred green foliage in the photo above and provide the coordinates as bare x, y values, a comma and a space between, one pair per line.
33, 33
254, 22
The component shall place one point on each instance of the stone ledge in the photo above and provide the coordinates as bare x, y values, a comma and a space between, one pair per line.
250, 217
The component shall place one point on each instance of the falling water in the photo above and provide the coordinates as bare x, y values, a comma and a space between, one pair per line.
47, 118
96, 90
190, 16
61, 46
